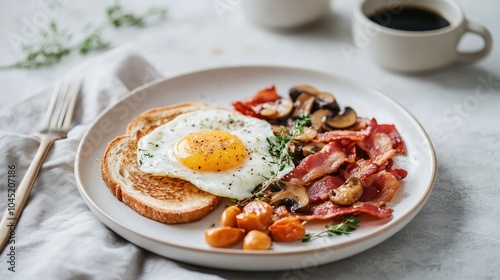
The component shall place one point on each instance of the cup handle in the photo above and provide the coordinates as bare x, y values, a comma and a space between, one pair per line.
485, 34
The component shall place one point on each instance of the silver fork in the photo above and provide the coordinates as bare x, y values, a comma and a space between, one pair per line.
55, 126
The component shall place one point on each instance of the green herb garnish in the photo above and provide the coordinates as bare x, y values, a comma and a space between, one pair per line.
278, 148
348, 225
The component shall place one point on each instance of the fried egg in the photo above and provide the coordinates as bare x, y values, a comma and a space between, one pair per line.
221, 152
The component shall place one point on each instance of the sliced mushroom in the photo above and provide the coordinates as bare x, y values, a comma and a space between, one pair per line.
296, 91
279, 129
303, 105
308, 135
348, 193
344, 120
295, 150
326, 100
291, 195
278, 109
317, 118
312, 149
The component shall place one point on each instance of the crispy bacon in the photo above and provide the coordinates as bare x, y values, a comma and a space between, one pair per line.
246, 110
361, 169
328, 210
253, 106
340, 135
399, 173
318, 191
387, 166
378, 146
393, 133
379, 188
324, 162
372, 125
263, 96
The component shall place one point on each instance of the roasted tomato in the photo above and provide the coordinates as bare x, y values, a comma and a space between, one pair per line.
287, 229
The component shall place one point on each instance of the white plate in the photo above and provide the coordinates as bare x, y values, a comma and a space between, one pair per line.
221, 86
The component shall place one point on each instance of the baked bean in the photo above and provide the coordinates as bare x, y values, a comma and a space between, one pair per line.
223, 237
256, 240
287, 229
228, 217
263, 210
250, 222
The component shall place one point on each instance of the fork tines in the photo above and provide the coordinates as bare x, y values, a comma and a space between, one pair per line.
62, 106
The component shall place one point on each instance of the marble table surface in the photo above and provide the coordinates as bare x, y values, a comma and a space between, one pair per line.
455, 235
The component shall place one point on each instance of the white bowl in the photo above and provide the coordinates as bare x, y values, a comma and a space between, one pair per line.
284, 13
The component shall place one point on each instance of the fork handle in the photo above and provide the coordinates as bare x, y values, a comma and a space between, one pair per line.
11, 216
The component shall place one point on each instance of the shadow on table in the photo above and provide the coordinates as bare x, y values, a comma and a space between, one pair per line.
469, 77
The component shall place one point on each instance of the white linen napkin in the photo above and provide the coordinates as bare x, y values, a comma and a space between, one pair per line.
57, 237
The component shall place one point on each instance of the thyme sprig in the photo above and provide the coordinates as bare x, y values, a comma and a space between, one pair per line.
93, 42
56, 43
348, 225
52, 47
118, 16
278, 148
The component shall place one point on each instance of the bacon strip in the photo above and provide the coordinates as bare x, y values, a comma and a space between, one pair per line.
380, 188
393, 133
324, 162
399, 173
253, 106
246, 110
318, 191
340, 135
263, 96
328, 210
361, 169
379, 147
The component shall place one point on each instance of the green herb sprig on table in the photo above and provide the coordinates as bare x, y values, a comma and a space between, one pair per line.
348, 225
56, 43
93, 42
118, 16
53, 46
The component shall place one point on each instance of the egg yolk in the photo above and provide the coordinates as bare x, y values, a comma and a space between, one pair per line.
210, 150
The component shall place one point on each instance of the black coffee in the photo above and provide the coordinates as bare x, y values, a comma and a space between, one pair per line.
409, 18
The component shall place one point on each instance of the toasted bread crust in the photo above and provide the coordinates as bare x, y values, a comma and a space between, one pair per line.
164, 199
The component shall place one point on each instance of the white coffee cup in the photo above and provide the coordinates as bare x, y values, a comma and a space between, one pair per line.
284, 14
416, 51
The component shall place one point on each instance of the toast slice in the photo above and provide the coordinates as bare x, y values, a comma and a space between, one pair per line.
164, 199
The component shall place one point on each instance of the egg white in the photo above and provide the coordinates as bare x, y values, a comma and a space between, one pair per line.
155, 152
